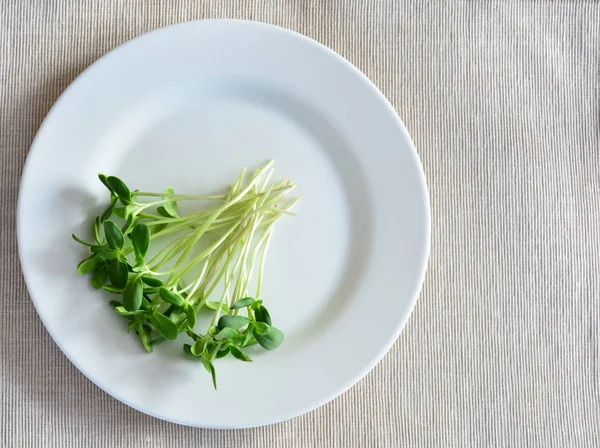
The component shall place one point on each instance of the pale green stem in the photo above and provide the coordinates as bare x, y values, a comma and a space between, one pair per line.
179, 197
262, 266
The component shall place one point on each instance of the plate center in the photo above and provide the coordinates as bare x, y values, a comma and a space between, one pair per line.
199, 145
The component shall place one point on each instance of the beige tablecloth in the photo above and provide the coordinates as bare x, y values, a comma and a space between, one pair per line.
503, 102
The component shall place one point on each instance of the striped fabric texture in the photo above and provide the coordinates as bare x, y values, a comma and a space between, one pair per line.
502, 100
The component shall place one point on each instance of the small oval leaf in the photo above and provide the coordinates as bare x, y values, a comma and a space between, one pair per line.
271, 340
100, 276
114, 236
143, 332
261, 328
97, 229
242, 303
165, 326
132, 294
187, 348
163, 212
235, 322
238, 354
108, 253
171, 206
222, 353
118, 186
102, 178
109, 210
129, 224
247, 336
158, 228
211, 369
226, 333
152, 282
171, 297
118, 273
158, 341
198, 347
88, 265
190, 313
120, 212
123, 312
262, 315
145, 304
140, 238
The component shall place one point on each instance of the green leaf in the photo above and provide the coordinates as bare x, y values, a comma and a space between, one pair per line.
198, 347
222, 353
171, 206
226, 333
120, 212
109, 210
108, 253
123, 312
176, 314
247, 336
261, 328
129, 210
143, 332
242, 303
163, 212
145, 304
239, 354
262, 315
85, 243
165, 326
118, 273
190, 313
151, 281
235, 322
132, 294
129, 224
256, 305
191, 334
118, 186
271, 340
112, 289
113, 234
211, 369
187, 349
140, 266
158, 341
158, 228
88, 265
171, 297
102, 178
97, 229
100, 276
140, 238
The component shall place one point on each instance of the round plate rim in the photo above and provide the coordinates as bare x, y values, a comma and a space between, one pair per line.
384, 101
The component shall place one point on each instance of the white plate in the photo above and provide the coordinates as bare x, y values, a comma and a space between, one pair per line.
188, 106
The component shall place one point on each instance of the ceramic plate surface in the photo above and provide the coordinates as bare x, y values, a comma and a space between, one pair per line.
187, 107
